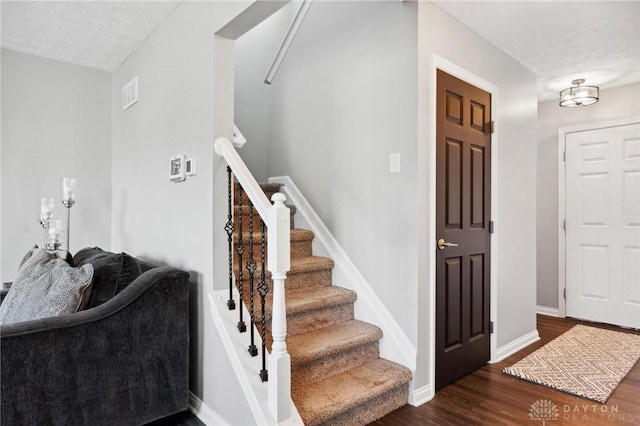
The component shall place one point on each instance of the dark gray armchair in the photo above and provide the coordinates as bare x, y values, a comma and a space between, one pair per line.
125, 362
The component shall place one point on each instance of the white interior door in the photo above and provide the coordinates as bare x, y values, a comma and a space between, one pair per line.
603, 225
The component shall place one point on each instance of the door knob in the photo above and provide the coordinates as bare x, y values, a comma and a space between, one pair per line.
442, 244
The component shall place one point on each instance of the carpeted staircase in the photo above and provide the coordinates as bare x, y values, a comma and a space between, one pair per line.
337, 375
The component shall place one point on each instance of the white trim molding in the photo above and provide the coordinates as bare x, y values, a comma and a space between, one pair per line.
420, 396
515, 345
562, 254
543, 310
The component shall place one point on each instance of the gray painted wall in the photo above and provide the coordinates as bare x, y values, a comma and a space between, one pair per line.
56, 122
346, 97
178, 224
616, 103
343, 100
516, 164
516, 187
254, 52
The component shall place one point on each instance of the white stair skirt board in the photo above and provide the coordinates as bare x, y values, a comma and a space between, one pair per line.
543, 310
394, 344
517, 344
245, 366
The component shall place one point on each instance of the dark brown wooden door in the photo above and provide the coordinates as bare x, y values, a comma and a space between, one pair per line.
463, 173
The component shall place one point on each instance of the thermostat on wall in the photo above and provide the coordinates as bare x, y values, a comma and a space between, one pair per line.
177, 169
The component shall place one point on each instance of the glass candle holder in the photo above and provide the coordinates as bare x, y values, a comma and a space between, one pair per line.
46, 210
68, 191
54, 228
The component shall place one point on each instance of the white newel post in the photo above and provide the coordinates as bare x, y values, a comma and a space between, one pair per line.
279, 260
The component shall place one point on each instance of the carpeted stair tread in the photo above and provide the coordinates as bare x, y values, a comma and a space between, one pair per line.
295, 235
331, 340
325, 399
310, 263
313, 299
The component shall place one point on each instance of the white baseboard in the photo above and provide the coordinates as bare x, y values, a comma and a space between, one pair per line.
517, 344
552, 312
421, 395
203, 412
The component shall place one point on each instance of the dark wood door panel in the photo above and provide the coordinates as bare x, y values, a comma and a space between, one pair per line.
453, 303
463, 194
454, 179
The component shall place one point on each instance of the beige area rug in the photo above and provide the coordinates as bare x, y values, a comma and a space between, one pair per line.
585, 361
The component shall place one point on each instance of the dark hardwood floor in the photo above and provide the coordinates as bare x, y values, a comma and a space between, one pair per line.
489, 397
185, 418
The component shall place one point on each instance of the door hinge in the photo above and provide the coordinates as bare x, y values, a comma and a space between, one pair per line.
490, 327
564, 155
564, 225
491, 227
564, 293
492, 126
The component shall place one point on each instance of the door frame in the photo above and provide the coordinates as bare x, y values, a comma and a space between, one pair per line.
562, 208
438, 62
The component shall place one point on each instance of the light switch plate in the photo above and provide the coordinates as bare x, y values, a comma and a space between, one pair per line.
394, 163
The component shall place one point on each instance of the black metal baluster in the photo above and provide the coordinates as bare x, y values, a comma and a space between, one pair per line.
242, 327
263, 289
251, 268
231, 304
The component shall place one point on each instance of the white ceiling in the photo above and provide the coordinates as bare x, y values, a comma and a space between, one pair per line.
559, 41
96, 34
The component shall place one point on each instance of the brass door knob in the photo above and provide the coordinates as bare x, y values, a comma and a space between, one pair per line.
442, 244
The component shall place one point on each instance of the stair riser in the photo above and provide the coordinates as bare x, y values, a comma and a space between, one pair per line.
311, 320
298, 249
371, 410
268, 191
256, 220
294, 282
304, 373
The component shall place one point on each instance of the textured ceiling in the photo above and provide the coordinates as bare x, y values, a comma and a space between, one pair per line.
561, 41
96, 34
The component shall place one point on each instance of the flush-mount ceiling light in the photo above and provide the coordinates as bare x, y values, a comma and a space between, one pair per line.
578, 95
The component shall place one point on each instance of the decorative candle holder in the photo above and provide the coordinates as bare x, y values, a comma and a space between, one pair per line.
46, 214
54, 227
68, 200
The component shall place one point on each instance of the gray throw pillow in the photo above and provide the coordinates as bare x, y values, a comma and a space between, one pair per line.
45, 286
